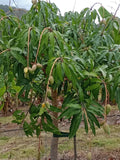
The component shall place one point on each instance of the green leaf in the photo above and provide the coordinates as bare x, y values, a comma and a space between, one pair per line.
75, 123
67, 100
85, 123
25, 90
91, 74
15, 49
19, 115
1, 106
103, 72
92, 126
65, 86
81, 94
48, 117
54, 109
102, 56
17, 112
95, 111
92, 87
59, 71
118, 97
81, 60
69, 112
52, 43
48, 127
33, 109
72, 105
2, 91
104, 13
19, 58
50, 123
42, 110
93, 118
28, 129
67, 70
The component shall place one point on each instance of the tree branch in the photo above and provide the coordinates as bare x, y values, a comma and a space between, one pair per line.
47, 28
50, 76
28, 46
4, 51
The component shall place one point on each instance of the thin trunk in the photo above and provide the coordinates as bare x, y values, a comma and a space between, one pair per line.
75, 150
39, 145
54, 142
16, 101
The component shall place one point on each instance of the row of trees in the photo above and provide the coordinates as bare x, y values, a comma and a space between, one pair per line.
13, 11
73, 59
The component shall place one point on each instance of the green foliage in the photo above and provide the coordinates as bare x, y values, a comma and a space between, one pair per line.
79, 50
13, 11
87, 113
19, 115
104, 13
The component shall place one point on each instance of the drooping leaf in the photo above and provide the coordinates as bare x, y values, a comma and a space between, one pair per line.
85, 123
59, 71
1, 106
118, 97
19, 58
92, 126
75, 123
67, 71
94, 119
103, 12
92, 74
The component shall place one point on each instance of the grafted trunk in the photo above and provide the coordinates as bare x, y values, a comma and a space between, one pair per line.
54, 142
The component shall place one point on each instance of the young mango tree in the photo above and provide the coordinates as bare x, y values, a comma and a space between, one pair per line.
8, 34
70, 57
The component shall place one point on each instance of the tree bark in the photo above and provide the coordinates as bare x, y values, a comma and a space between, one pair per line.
75, 150
54, 142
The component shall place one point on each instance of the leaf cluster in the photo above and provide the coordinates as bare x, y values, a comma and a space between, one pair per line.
86, 45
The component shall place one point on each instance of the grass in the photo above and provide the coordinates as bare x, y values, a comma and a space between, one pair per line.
4, 138
5, 120
18, 146
85, 141
101, 140
65, 145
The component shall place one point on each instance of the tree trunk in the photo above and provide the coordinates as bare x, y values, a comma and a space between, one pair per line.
54, 142
16, 101
75, 150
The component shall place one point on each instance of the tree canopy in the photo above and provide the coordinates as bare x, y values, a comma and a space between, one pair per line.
81, 51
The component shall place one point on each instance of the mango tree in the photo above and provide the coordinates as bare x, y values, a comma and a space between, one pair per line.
8, 33
72, 59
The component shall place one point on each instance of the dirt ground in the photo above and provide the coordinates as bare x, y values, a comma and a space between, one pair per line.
15, 145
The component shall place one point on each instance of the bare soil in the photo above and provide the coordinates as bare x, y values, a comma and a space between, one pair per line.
15, 145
